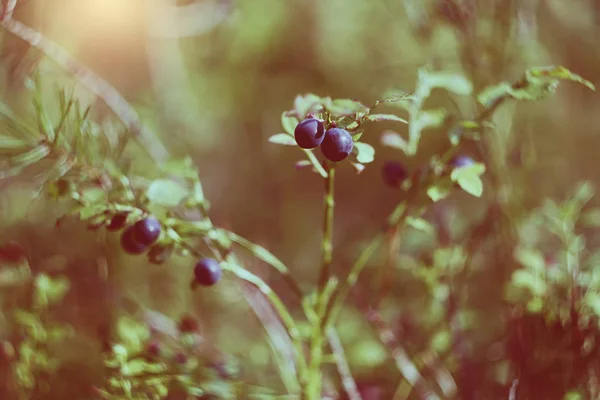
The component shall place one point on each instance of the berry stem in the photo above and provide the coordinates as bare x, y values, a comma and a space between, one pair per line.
327, 243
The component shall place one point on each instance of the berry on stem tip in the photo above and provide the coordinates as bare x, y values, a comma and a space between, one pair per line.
207, 272
337, 144
309, 133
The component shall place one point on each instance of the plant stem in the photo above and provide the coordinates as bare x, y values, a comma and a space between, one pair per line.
315, 380
327, 244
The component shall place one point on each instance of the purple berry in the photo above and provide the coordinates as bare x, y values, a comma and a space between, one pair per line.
462, 161
309, 133
130, 244
153, 349
146, 231
394, 173
337, 144
207, 272
117, 222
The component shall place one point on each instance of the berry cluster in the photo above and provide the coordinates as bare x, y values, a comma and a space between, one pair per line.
336, 143
140, 237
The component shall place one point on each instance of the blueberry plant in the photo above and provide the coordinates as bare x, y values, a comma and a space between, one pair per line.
168, 216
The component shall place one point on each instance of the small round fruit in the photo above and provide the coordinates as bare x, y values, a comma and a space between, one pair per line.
309, 133
462, 161
207, 272
394, 173
130, 244
146, 231
188, 324
117, 222
153, 349
337, 144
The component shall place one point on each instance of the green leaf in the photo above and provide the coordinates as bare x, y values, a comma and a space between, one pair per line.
439, 191
289, 123
431, 118
394, 140
452, 82
470, 183
558, 72
358, 167
305, 104
591, 218
283, 139
166, 193
493, 94
526, 279
346, 107
385, 117
50, 290
538, 83
530, 258
468, 178
12, 143
365, 153
182, 167
356, 137
420, 224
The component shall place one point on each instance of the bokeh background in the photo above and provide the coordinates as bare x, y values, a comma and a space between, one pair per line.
211, 80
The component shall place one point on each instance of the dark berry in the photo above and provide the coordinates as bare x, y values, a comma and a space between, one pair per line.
181, 358
207, 272
337, 144
153, 349
146, 231
188, 324
462, 161
309, 133
394, 173
117, 222
130, 244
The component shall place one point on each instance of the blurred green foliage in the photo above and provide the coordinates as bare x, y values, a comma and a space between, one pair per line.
500, 292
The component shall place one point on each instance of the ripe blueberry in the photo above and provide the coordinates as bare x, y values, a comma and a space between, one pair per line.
462, 161
117, 222
146, 231
337, 144
309, 133
207, 272
394, 173
130, 244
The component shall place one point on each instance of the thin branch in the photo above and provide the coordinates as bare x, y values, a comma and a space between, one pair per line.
327, 244
113, 99
342, 365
